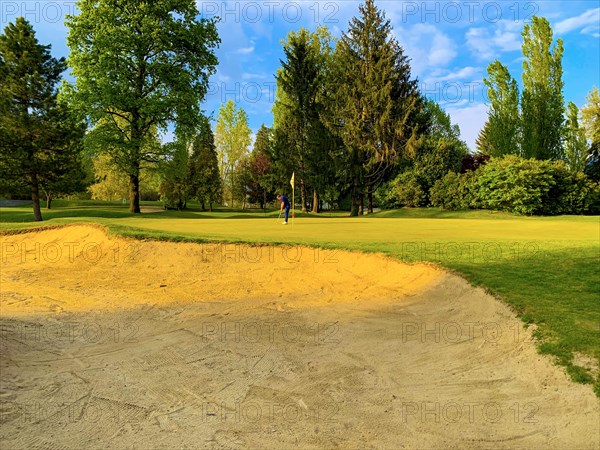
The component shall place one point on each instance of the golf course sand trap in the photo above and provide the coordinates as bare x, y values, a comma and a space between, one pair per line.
114, 343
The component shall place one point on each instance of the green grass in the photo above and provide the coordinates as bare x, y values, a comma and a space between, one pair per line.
545, 267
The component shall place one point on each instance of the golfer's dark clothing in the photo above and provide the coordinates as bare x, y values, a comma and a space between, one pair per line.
286, 206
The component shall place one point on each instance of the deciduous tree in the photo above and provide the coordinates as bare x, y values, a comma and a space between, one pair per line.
232, 138
542, 103
140, 67
501, 133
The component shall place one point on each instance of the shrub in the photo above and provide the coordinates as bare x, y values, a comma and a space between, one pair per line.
594, 199
455, 191
515, 184
572, 192
384, 196
406, 190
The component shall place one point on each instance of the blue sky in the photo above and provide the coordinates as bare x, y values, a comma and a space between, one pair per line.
450, 45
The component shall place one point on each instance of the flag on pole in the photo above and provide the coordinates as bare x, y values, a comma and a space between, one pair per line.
292, 180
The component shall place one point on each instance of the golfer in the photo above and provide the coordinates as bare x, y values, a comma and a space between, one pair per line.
285, 206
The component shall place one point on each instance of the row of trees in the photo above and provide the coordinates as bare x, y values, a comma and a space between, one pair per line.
535, 123
348, 117
347, 113
349, 120
140, 68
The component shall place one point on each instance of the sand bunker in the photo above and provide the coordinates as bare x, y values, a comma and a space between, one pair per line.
117, 343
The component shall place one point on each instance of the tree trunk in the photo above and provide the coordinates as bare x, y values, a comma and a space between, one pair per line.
48, 200
203, 208
35, 197
210, 207
361, 204
303, 195
370, 202
232, 189
315, 205
353, 207
134, 193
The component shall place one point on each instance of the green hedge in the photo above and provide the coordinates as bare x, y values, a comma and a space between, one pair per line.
518, 185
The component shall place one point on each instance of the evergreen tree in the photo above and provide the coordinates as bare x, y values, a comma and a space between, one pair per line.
375, 101
203, 170
40, 139
298, 108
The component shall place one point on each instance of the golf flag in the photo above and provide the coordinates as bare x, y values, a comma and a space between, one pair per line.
292, 180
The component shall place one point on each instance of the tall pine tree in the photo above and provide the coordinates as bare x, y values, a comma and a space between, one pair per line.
203, 170
300, 95
40, 139
375, 101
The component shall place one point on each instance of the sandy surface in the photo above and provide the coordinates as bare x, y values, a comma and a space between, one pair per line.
112, 343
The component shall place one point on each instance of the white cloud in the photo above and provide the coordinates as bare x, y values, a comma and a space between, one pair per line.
426, 46
470, 120
486, 44
245, 50
588, 21
468, 72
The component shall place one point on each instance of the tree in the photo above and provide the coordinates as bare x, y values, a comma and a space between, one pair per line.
140, 66
576, 148
232, 138
438, 152
262, 177
110, 182
40, 139
299, 105
590, 116
501, 133
64, 169
542, 102
203, 169
174, 173
375, 101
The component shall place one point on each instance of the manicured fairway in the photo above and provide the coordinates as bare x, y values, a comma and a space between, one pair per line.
547, 268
